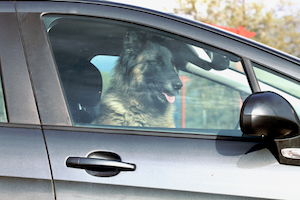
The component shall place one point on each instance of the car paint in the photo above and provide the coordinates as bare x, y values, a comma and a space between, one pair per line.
23, 156
40, 136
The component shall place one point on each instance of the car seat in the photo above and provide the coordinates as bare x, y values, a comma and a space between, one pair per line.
82, 85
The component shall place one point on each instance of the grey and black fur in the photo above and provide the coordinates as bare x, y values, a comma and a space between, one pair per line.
144, 76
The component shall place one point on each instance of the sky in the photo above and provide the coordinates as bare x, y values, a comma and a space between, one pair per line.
169, 5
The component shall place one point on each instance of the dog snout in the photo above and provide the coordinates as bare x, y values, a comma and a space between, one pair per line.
177, 85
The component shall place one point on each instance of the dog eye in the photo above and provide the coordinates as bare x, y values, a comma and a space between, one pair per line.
155, 62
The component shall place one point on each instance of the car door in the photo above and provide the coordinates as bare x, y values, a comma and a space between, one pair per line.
24, 164
203, 155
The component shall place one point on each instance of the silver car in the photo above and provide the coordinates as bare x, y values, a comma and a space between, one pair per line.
89, 108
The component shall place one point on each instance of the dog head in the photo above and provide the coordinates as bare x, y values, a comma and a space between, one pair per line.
149, 69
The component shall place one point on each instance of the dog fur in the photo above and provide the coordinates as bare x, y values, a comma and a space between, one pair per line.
143, 86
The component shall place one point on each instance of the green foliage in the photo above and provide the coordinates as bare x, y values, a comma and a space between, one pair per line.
277, 27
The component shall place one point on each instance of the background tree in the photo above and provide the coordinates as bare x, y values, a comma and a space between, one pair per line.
277, 27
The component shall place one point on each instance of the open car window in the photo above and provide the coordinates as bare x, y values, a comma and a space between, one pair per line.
125, 76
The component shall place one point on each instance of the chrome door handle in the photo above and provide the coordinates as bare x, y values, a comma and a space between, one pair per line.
103, 164
98, 164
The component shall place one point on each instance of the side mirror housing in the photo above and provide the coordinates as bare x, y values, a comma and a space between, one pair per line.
270, 116
267, 114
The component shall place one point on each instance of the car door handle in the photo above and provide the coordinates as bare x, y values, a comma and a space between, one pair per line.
100, 163
95, 164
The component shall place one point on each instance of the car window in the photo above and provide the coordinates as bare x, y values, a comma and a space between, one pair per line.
3, 116
126, 76
272, 81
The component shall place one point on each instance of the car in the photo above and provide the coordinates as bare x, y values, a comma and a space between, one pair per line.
102, 100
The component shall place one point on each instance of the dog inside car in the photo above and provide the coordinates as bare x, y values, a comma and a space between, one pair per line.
143, 88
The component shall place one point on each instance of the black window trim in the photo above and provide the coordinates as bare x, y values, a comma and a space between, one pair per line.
252, 80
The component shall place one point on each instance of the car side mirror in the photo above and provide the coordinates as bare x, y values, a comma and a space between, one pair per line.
270, 116
267, 114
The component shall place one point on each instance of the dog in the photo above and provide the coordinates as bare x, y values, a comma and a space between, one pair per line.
143, 86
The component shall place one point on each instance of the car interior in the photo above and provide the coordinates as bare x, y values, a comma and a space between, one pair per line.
75, 42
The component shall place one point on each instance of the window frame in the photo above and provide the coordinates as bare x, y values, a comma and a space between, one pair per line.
84, 29
17, 89
195, 31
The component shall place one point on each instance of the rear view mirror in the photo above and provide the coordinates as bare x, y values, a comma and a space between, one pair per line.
206, 59
268, 115
219, 62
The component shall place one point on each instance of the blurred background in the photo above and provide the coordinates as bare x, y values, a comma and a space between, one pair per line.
273, 22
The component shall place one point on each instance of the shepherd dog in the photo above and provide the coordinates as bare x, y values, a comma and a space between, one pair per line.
143, 87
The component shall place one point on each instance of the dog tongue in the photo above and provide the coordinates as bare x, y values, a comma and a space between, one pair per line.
171, 99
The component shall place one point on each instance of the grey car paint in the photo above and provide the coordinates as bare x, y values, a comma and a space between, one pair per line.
170, 166
24, 166
20, 101
165, 162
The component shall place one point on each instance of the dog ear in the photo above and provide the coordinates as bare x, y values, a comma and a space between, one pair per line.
134, 42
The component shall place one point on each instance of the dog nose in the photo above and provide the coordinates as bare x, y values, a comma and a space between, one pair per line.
177, 85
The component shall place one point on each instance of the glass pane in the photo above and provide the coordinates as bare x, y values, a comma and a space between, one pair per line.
271, 81
218, 106
125, 76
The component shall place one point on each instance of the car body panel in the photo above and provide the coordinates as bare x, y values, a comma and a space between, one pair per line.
189, 164
23, 153
15, 188
24, 168
74, 190
39, 137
